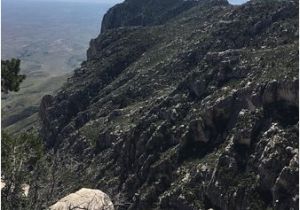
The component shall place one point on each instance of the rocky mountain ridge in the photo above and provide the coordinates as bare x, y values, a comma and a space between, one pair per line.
193, 109
150, 12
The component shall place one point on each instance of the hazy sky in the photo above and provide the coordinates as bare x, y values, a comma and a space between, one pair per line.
99, 1
116, 1
237, 1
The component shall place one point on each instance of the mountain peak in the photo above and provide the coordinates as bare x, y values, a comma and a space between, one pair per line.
148, 12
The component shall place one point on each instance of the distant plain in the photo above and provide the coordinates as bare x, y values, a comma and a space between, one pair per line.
50, 39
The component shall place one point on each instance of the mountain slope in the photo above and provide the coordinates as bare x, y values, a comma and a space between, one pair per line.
147, 12
198, 112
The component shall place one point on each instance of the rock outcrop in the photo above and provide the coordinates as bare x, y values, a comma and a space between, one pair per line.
147, 12
197, 111
84, 199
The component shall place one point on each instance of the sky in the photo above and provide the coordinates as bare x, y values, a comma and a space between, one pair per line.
108, 2
99, 1
116, 1
237, 1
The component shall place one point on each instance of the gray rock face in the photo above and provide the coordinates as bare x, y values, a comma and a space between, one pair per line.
148, 12
139, 13
198, 112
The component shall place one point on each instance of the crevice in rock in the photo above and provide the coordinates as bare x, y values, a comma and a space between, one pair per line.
266, 196
282, 112
242, 156
208, 204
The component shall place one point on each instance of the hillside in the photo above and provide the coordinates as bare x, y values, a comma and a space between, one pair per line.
182, 105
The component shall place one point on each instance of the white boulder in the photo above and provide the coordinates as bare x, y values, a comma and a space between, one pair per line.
84, 198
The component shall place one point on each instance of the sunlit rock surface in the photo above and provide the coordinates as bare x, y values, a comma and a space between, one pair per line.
84, 199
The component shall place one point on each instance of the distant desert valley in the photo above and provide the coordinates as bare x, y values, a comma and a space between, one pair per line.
50, 39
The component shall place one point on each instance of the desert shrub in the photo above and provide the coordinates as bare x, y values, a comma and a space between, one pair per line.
19, 157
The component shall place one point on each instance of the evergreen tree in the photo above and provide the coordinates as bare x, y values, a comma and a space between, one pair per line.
10, 77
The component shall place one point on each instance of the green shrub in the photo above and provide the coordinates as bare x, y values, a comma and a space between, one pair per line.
19, 157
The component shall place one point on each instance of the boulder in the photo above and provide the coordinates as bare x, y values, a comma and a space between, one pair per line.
84, 199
